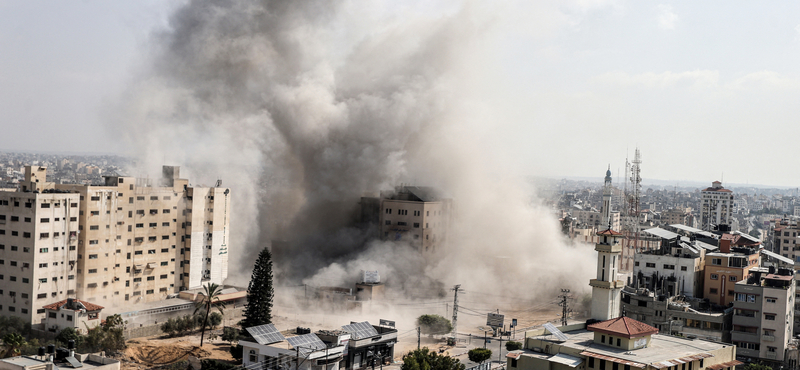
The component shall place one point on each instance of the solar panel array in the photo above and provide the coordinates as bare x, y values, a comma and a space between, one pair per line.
266, 334
360, 330
557, 333
306, 342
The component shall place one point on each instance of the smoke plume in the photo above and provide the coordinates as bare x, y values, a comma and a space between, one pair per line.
303, 106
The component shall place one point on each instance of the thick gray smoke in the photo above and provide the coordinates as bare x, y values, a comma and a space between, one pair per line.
302, 106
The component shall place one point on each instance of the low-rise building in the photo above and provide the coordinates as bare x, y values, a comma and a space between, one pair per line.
89, 361
724, 269
72, 313
616, 344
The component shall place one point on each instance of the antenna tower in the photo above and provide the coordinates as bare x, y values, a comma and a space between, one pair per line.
635, 197
564, 308
456, 289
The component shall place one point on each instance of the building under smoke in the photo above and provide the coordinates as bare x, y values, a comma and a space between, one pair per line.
418, 215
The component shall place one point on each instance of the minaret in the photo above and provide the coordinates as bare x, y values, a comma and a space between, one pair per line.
606, 288
605, 210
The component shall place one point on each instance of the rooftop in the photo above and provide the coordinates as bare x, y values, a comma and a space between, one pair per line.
662, 348
623, 327
83, 305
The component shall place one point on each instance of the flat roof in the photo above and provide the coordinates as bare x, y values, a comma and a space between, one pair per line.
661, 348
659, 232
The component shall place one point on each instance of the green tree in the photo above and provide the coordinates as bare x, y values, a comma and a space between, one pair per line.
214, 320
434, 324
209, 364
237, 352
479, 355
13, 342
67, 334
425, 359
107, 337
13, 324
258, 310
513, 346
211, 293
230, 335
756, 366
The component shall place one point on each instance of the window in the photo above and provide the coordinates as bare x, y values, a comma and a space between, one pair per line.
44, 220
683, 268
165, 211
154, 197
43, 250
95, 198
41, 265
92, 256
151, 278
165, 224
47, 205
138, 226
713, 291
93, 241
92, 271
162, 277
714, 277
26, 235
388, 222
733, 278
94, 213
716, 261
137, 253
648, 264
768, 316
137, 280
602, 339
771, 300
153, 224
669, 267
164, 263
140, 198
27, 219
94, 227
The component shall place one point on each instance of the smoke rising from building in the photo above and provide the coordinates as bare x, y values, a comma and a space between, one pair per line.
302, 106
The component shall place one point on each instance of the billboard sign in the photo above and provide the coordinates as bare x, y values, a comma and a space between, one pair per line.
495, 320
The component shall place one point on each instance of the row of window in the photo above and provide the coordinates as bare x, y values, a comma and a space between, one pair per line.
5, 202
14, 248
26, 280
401, 212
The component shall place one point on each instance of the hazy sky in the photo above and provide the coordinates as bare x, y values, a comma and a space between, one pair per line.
702, 88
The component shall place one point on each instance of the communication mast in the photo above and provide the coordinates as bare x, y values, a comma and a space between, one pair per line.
634, 208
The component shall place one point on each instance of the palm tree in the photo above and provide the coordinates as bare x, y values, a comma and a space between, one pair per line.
210, 300
13, 342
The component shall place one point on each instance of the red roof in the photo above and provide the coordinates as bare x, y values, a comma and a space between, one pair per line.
608, 232
89, 306
623, 327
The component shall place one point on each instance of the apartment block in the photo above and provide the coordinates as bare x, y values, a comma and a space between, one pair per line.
716, 206
142, 241
38, 251
763, 316
124, 242
724, 269
417, 215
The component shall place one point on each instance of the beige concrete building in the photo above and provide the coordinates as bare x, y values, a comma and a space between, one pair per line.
38, 251
125, 242
763, 315
141, 241
417, 215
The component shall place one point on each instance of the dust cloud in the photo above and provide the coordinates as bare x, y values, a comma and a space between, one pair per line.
303, 106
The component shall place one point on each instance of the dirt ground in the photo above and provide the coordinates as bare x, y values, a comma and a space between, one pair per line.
149, 352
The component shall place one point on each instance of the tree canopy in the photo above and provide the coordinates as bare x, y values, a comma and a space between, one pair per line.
479, 355
425, 359
513, 346
434, 324
258, 310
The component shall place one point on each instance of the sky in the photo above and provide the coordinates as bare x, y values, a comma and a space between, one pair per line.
706, 90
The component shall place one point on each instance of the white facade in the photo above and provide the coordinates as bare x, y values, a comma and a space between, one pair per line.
687, 269
716, 206
606, 289
282, 353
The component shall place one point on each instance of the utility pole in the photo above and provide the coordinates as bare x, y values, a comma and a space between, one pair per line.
419, 332
564, 306
455, 289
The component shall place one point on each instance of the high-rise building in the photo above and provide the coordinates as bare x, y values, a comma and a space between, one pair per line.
715, 207
125, 242
38, 251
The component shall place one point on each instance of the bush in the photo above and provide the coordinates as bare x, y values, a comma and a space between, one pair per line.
434, 324
230, 334
237, 352
479, 355
214, 365
67, 334
214, 319
425, 359
513, 346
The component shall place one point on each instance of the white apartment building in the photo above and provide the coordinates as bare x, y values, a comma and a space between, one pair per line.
417, 215
680, 262
38, 251
715, 207
125, 242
